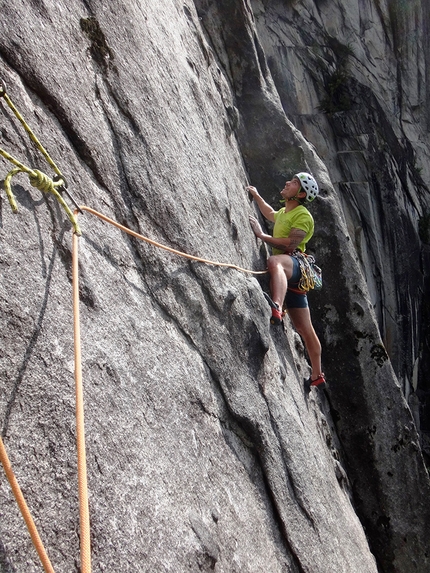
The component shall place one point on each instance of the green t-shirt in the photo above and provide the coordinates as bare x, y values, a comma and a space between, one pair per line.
298, 218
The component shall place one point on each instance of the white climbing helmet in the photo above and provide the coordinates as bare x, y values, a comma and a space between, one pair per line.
308, 184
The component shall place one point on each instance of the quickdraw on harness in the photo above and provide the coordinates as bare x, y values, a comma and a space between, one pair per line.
311, 274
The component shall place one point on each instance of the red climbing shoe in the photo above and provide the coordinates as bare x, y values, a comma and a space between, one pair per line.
277, 315
318, 382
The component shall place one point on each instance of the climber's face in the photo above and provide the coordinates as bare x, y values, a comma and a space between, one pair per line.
291, 188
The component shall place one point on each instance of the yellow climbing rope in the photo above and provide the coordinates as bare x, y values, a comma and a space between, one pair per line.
37, 178
48, 185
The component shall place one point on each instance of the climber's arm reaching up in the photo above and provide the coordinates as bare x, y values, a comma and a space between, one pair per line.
265, 208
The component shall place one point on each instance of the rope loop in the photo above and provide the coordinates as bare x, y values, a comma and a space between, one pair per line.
8, 188
41, 181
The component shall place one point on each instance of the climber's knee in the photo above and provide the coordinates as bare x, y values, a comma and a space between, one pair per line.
276, 263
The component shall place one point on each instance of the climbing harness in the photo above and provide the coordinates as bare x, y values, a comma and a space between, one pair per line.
37, 179
54, 186
311, 274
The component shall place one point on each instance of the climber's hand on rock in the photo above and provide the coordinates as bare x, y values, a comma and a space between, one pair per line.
252, 191
256, 227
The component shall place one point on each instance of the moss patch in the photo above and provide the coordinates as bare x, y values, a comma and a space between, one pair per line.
100, 51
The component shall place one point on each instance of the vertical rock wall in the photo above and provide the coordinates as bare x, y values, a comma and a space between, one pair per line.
204, 451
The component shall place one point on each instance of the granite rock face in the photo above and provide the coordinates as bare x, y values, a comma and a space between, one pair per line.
205, 452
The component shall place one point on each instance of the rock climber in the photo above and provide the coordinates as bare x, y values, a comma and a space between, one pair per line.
294, 226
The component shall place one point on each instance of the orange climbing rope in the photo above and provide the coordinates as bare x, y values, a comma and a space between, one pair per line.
84, 513
22, 504
159, 245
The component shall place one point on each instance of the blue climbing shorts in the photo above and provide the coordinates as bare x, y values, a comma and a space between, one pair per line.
295, 299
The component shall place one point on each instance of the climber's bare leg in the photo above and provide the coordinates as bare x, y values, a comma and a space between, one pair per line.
280, 269
301, 319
